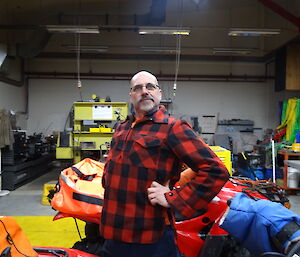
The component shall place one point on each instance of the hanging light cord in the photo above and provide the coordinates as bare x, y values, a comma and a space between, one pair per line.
178, 48
78, 67
177, 62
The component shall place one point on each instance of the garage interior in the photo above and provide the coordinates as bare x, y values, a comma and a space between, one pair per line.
229, 68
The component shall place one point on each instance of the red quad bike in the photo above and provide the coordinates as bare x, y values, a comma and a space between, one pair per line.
199, 236
202, 237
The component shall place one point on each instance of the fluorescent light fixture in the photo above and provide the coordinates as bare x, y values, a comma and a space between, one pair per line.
86, 48
159, 49
164, 31
72, 29
237, 32
243, 51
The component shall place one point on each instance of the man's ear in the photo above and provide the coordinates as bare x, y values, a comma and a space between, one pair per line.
161, 92
130, 97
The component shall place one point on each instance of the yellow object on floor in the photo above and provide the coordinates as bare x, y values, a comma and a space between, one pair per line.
43, 231
47, 187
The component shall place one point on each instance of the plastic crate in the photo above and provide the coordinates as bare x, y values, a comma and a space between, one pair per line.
224, 155
278, 173
258, 171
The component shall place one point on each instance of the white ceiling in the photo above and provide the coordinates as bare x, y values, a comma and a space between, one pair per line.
22, 27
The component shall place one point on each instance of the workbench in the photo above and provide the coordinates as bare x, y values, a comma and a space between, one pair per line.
14, 176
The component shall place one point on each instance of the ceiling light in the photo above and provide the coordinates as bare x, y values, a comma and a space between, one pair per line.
253, 32
243, 51
86, 48
159, 49
72, 29
164, 31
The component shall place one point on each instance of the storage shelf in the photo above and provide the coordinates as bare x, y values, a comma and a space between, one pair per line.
288, 155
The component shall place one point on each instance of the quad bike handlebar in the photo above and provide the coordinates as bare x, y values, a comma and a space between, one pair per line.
293, 251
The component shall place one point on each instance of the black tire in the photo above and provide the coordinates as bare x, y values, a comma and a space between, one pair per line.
232, 248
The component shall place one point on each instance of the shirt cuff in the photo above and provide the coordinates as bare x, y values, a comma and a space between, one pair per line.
179, 205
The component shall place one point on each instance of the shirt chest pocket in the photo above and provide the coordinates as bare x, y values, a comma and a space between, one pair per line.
118, 141
145, 151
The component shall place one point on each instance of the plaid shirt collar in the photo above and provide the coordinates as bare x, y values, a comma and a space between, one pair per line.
159, 115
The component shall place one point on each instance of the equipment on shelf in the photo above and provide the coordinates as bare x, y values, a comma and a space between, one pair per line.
36, 146
92, 130
17, 152
251, 164
25, 148
28, 158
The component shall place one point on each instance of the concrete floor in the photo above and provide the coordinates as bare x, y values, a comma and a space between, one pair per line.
26, 200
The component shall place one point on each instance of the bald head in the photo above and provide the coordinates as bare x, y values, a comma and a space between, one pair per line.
145, 94
143, 75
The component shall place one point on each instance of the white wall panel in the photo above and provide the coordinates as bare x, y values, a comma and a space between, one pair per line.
50, 100
14, 98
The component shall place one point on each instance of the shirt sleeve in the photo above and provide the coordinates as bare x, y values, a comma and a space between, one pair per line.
211, 173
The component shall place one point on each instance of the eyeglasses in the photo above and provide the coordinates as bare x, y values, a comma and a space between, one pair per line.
148, 86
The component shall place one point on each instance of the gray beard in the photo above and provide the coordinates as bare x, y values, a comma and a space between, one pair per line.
146, 107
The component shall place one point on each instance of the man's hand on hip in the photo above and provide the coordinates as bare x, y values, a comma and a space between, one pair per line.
156, 194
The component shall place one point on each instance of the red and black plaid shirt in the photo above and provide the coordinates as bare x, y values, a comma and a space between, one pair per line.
154, 149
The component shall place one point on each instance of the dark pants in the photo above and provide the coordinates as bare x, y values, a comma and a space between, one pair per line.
164, 247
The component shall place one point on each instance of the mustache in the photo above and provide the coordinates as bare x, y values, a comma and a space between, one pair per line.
146, 98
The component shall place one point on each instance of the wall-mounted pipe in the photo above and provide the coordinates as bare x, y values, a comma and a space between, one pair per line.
164, 57
161, 77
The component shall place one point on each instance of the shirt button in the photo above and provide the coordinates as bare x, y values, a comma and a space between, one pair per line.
171, 194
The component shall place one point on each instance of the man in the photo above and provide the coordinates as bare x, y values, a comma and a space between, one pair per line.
147, 153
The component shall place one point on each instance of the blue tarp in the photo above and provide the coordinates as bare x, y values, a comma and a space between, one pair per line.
254, 223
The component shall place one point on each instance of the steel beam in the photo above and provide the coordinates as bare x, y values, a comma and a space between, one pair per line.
282, 12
